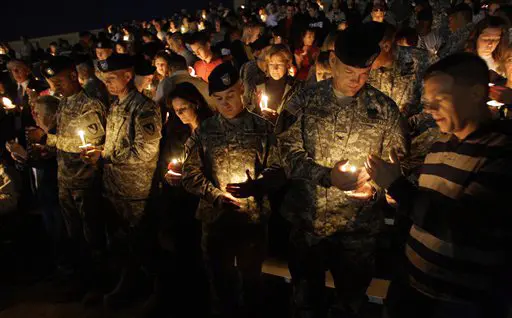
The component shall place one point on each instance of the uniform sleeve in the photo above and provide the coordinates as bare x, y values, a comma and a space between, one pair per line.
193, 179
296, 161
93, 122
8, 193
274, 176
146, 142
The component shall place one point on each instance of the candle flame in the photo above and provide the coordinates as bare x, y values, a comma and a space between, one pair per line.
183, 29
242, 6
126, 37
7, 103
348, 168
192, 71
264, 102
493, 103
81, 133
491, 84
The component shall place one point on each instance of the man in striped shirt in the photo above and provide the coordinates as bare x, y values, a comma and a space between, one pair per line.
459, 247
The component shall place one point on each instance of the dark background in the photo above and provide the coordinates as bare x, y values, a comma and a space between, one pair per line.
37, 18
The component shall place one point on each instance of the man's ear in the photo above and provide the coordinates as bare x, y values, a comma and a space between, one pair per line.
332, 59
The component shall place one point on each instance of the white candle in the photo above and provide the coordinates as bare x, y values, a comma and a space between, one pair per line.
491, 84
264, 102
81, 133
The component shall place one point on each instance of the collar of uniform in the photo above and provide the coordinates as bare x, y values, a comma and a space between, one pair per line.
125, 103
234, 122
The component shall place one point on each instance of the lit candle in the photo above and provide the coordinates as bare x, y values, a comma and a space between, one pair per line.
8, 103
192, 71
204, 16
81, 133
291, 71
491, 84
242, 6
493, 103
172, 165
264, 102
201, 26
126, 37
348, 168
183, 29
263, 18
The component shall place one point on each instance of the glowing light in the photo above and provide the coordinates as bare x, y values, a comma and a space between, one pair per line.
491, 84
201, 26
291, 71
264, 102
81, 133
183, 29
493, 103
173, 165
192, 71
242, 6
126, 38
263, 18
348, 168
8, 103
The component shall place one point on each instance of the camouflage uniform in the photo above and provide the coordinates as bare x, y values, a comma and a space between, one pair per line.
315, 131
251, 76
129, 163
219, 153
79, 182
456, 42
402, 82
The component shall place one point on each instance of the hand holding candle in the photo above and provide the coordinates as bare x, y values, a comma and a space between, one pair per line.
173, 175
347, 177
84, 145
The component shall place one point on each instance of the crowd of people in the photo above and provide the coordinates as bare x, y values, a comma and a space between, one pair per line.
167, 147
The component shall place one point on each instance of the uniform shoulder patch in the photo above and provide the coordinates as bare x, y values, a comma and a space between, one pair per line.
150, 127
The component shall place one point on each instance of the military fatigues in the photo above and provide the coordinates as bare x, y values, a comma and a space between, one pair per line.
96, 89
219, 153
79, 182
129, 163
315, 131
402, 81
251, 76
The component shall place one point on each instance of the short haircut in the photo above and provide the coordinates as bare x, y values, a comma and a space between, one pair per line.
280, 50
201, 37
174, 61
465, 68
12, 62
176, 37
464, 9
50, 104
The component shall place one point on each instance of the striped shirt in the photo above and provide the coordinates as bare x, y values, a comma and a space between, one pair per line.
459, 247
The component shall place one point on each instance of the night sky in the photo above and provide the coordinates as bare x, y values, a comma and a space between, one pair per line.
43, 18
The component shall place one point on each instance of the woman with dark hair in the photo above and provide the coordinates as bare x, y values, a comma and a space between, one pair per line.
179, 232
488, 40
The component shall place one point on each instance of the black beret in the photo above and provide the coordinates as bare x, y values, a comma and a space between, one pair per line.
115, 62
355, 48
104, 44
143, 67
222, 77
55, 65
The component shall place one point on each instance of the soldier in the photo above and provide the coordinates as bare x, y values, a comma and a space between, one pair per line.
78, 181
129, 160
324, 134
229, 148
92, 85
396, 70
